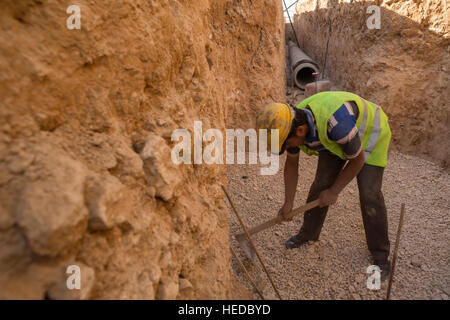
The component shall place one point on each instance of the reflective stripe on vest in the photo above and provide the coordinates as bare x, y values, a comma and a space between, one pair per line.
363, 123
375, 134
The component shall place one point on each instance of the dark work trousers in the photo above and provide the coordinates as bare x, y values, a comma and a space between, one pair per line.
371, 199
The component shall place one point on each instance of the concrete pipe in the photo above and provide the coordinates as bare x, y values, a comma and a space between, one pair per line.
302, 66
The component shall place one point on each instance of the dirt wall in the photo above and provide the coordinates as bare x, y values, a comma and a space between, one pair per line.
86, 118
404, 66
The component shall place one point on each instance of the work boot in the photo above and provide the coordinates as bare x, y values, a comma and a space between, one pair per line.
295, 242
385, 267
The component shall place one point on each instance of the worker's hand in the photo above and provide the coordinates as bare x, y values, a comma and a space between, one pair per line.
285, 209
327, 197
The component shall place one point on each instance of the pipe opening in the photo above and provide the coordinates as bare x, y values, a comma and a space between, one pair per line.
305, 76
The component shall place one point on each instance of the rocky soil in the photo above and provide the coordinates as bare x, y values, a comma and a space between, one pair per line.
86, 117
335, 266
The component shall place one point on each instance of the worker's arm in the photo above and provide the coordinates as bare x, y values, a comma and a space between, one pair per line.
351, 170
290, 182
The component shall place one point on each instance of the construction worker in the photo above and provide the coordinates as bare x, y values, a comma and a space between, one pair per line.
351, 137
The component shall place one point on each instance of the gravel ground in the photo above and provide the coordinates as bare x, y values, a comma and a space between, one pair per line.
335, 267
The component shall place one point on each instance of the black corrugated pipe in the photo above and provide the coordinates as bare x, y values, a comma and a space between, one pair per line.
302, 66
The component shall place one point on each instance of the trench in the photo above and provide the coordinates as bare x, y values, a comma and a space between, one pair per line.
335, 267
89, 139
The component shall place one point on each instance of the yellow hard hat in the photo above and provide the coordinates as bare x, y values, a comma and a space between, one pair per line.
275, 116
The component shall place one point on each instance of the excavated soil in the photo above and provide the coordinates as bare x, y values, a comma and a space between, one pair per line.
86, 117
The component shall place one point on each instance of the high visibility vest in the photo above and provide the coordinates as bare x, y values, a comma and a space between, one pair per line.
372, 124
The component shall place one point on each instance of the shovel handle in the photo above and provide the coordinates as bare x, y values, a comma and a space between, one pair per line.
278, 219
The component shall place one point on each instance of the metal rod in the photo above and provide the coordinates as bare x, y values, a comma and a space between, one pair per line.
251, 241
394, 258
246, 272
326, 51
316, 76
291, 6
293, 29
